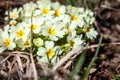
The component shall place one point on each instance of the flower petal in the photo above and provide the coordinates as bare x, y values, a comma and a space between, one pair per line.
41, 51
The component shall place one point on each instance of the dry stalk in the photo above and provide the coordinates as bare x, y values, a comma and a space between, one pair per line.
35, 77
103, 44
19, 62
5, 59
70, 62
33, 68
8, 9
17, 65
42, 66
71, 53
64, 59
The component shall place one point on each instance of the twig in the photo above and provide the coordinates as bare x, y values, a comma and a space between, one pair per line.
12, 64
14, 52
42, 66
35, 77
19, 62
70, 62
33, 68
3, 73
8, 9
28, 70
103, 44
84, 4
64, 59
71, 53
5, 59
16, 60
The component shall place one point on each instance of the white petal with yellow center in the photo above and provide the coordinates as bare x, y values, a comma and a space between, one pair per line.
20, 33
6, 42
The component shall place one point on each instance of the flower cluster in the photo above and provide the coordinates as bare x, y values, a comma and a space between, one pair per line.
55, 28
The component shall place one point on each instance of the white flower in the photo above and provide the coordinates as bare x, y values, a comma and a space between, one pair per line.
88, 17
21, 32
6, 41
50, 26
38, 42
23, 44
66, 19
90, 32
75, 17
69, 28
14, 14
48, 53
28, 9
44, 8
13, 22
35, 25
53, 31
26, 44
74, 40
59, 11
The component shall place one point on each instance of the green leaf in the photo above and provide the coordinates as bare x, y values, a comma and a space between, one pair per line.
92, 61
78, 65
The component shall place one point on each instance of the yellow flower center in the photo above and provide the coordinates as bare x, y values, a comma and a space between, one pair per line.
14, 15
57, 13
71, 43
7, 42
88, 29
45, 11
51, 31
50, 53
74, 18
26, 43
20, 33
33, 27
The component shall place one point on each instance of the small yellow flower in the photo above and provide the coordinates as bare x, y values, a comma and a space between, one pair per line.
57, 13
50, 53
71, 43
51, 31
14, 15
20, 33
33, 27
7, 42
26, 44
45, 11
74, 18
74, 40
